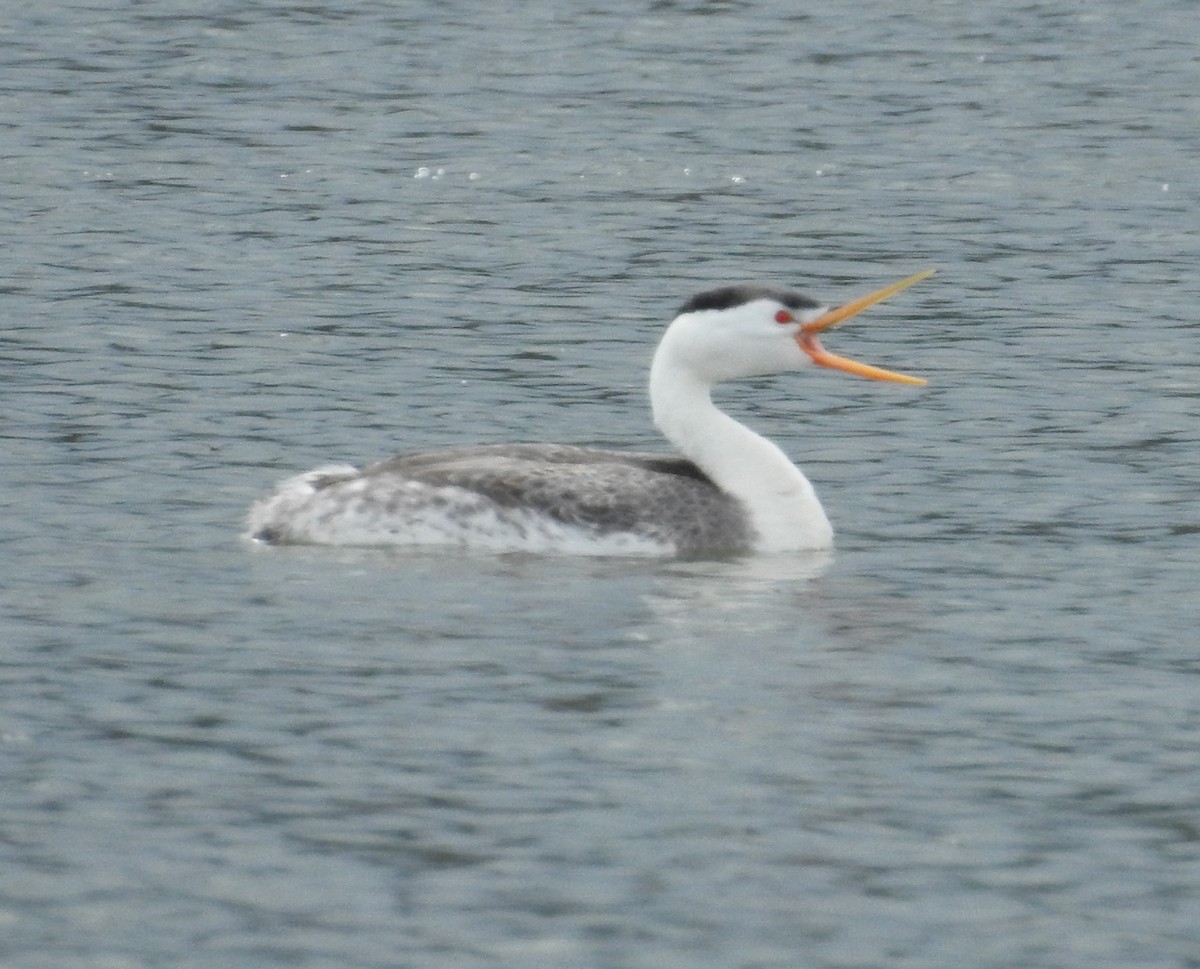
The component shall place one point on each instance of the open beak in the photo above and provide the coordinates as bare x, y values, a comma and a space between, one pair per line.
807, 337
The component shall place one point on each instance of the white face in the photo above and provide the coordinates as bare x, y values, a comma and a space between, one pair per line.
755, 338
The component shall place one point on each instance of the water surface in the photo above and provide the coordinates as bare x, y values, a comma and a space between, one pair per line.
249, 239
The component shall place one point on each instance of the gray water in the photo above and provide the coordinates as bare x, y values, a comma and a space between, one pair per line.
244, 239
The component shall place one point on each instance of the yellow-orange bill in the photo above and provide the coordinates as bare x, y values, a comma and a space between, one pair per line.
823, 358
807, 337
856, 306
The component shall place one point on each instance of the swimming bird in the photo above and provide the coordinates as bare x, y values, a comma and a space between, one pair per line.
730, 490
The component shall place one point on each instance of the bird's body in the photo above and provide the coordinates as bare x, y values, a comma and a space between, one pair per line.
731, 491
511, 497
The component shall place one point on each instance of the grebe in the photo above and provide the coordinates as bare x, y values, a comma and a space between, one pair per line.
731, 491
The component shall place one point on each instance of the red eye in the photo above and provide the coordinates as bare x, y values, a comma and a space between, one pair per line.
783, 316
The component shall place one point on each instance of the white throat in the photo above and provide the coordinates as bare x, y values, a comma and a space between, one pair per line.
782, 504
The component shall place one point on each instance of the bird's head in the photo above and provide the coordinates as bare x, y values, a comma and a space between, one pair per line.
746, 331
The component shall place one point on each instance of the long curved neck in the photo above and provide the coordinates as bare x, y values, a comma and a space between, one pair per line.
782, 504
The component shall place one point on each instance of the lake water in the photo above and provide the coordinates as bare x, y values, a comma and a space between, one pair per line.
246, 239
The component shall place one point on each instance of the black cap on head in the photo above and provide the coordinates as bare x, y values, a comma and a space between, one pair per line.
727, 297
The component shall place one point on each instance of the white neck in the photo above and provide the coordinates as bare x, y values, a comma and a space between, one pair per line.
782, 505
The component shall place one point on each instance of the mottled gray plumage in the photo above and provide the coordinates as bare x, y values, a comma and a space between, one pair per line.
665, 499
